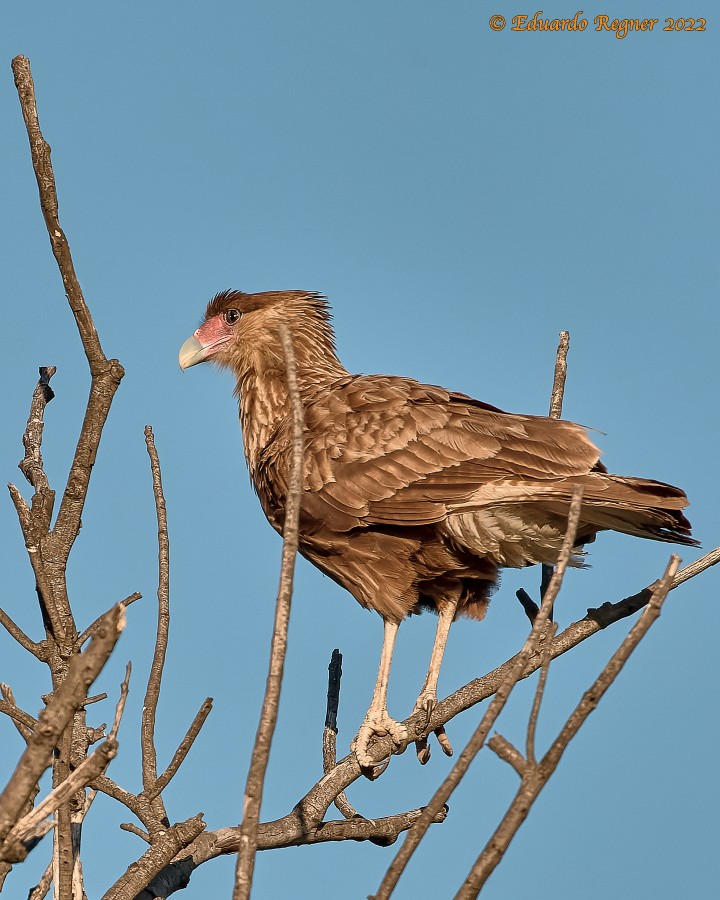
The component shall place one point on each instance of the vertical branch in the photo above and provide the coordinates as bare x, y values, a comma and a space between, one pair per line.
49, 550
329, 740
152, 694
40, 150
32, 464
558, 388
268, 715
555, 412
106, 374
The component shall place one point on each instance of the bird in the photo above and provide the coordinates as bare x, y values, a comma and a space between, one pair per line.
414, 496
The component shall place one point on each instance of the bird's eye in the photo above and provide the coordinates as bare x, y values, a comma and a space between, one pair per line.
232, 316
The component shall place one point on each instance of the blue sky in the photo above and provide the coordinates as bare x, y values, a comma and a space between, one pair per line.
461, 195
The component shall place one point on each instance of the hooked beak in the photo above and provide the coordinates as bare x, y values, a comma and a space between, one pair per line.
192, 352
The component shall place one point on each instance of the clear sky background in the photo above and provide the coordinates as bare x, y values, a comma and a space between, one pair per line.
461, 196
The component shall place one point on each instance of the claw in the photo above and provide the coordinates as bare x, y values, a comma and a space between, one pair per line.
422, 750
377, 726
426, 703
445, 744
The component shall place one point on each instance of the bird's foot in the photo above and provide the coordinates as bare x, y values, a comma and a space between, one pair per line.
426, 703
377, 726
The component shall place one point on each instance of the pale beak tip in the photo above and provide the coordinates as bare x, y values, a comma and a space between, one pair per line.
191, 353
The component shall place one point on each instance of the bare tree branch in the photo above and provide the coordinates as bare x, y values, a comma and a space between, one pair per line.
535, 775
539, 691
555, 412
329, 741
559, 376
268, 715
79, 778
152, 695
66, 700
24, 722
133, 829
106, 374
32, 465
155, 859
182, 751
37, 649
90, 630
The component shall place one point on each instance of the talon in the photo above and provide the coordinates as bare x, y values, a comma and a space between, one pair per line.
443, 740
377, 726
423, 751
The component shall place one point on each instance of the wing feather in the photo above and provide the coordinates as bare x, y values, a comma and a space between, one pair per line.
402, 453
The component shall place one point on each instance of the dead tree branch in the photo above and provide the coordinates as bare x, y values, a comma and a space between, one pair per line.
24, 722
66, 700
555, 412
182, 751
152, 695
137, 877
534, 776
559, 376
329, 741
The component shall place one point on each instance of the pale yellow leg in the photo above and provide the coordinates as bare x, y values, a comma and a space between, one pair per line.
427, 701
377, 722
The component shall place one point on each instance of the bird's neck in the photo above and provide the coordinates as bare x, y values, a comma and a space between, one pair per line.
265, 408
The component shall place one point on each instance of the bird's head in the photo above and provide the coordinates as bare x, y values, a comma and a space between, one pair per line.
240, 330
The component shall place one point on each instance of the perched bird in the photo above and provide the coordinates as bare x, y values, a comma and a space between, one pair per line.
414, 496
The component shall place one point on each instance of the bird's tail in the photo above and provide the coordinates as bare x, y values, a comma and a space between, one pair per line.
639, 506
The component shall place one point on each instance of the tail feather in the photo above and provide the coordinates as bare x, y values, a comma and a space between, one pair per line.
638, 506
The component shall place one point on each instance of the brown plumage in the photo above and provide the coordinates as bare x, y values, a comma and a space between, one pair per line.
414, 496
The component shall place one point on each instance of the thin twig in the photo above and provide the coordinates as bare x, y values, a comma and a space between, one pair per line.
23, 721
182, 751
133, 829
40, 151
32, 464
90, 630
152, 695
37, 649
329, 740
555, 412
534, 777
122, 700
109, 787
442, 795
539, 691
558, 388
268, 715
508, 753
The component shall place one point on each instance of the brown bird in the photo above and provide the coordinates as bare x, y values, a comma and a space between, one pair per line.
414, 496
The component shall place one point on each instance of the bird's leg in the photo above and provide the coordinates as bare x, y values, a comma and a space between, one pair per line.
427, 701
377, 721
